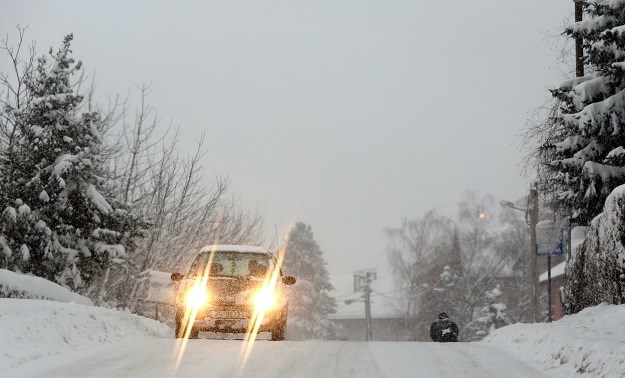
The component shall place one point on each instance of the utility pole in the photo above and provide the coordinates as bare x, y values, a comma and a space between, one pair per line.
362, 280
550, 310
367, 292
579, 49
533, 277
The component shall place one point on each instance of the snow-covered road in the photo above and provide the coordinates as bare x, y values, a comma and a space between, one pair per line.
42, 338
156, 357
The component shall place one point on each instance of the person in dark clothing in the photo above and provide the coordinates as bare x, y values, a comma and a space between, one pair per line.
444, 329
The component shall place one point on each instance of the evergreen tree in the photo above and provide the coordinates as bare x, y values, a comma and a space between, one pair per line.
446, 288
455, 255
59, 222
453, 282
492, 316
310, 300
590, 156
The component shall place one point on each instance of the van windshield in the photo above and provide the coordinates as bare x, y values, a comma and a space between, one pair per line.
232, 264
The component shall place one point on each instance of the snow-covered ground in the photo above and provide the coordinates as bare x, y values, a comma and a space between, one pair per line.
33, 329
590, 342
45, 338
53, 339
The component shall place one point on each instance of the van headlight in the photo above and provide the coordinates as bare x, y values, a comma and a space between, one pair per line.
196, 297
265, 299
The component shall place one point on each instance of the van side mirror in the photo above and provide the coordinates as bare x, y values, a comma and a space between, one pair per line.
288, 280
176, 276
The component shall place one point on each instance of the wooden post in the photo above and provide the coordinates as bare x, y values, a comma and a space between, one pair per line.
579, 49
549, 306
534, 284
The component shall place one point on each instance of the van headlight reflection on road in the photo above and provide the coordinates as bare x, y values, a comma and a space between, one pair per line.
196, 297
265, 299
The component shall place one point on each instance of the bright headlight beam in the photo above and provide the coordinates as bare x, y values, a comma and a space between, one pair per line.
265, 299
259, 314
196, 297
191, 313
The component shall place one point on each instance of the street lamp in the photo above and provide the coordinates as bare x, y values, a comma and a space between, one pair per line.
531, 217
509, 204
350, 301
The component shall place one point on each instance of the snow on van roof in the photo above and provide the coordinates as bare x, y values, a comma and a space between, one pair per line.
234, 248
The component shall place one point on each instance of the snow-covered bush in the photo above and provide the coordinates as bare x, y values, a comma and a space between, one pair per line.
596, 269
492, 316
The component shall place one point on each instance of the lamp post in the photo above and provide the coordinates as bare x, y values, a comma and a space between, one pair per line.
509, 204
531, 216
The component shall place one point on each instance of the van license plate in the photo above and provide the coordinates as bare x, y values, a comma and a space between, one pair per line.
228, 314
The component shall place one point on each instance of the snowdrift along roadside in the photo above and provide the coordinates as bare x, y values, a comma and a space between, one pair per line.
591, 342
32, 287
31, 329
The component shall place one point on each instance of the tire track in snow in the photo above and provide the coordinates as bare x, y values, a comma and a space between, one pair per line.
220, 358
354, 359
464, 364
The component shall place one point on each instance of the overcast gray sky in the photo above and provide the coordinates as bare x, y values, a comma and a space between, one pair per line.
347, 115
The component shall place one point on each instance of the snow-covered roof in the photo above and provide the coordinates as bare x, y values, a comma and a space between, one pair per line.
160, 278
234, 248
160, 287
556, 271
383, 304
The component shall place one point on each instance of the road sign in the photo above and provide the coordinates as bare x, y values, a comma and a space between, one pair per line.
550, 237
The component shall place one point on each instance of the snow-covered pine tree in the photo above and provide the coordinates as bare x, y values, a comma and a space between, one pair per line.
492, 316
310, 300
453, 282
58, 220
447, 288
590, 158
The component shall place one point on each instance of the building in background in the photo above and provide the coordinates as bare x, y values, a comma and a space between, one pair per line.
387, 323
558, 284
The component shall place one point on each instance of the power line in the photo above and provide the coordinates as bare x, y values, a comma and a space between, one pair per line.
388, 292
377, 294
403, 298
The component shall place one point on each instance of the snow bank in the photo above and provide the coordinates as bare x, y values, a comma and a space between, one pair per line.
12, 284
590, 342
31, 329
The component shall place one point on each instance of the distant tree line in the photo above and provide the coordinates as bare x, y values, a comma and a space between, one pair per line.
442, 265
94, 198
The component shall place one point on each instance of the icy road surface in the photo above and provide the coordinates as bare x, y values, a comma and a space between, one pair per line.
156, 357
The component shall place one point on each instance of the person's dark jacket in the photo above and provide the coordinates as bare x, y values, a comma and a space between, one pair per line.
444, 329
